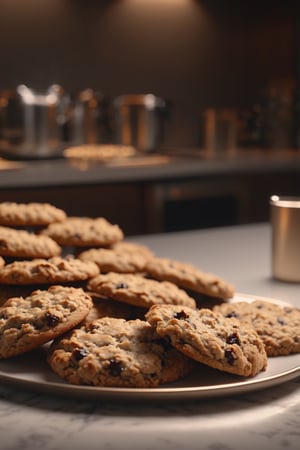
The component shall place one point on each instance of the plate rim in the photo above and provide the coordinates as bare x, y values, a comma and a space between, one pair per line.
152, 394
162, 392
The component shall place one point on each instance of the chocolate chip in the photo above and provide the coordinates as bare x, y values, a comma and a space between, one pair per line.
281, 321
91, 327
51, 319
115, 368
229, 355
232, 314
181, 315
79, 353
233, 338
122, 286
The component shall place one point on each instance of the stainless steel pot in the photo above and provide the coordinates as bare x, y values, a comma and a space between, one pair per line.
31, 122
139, 121
89, 119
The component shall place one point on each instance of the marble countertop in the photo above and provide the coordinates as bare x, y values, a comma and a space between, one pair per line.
151, 167
264, 419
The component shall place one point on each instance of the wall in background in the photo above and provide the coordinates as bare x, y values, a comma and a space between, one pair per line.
194, 53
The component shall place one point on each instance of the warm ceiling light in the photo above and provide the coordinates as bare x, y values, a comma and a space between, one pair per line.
159, 3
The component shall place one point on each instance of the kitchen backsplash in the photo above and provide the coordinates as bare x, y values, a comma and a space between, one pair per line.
195, 54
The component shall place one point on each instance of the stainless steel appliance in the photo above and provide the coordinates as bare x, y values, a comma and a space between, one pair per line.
31, 122
285, 222
89, 118
139, 121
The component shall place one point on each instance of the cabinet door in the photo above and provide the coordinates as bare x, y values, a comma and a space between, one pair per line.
118, 203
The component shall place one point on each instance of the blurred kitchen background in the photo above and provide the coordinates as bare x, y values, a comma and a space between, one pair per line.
210, 62
197, 54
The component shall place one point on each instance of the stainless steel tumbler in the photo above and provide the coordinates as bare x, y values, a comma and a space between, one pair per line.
285, 222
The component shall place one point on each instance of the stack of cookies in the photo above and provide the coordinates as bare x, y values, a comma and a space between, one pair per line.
111, 313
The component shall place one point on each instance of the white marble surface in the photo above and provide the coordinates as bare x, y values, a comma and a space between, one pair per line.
265, 420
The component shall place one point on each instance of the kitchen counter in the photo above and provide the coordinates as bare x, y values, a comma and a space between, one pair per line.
63, 172
263, 419
160, 192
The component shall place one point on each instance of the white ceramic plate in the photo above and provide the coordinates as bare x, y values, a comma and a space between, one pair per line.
31, 371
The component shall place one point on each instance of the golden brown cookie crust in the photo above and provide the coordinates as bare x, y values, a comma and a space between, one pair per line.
27, 323
189, 277
277, 325
29, 214
111, 260
84, 232
116, 352
208, 337
139, 291
54, 270
23, 244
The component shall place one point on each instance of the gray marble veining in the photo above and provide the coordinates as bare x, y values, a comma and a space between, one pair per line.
267, 419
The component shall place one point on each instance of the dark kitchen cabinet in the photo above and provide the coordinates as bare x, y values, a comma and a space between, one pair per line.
119, 203
143, 207
215, 201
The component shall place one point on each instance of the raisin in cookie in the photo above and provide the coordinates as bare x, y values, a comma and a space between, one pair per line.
139, 291
29, 214
208, 337
278, 326
84, 232
26, 323
189, 277
110, 260
52, 271
23, 244
116, 352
